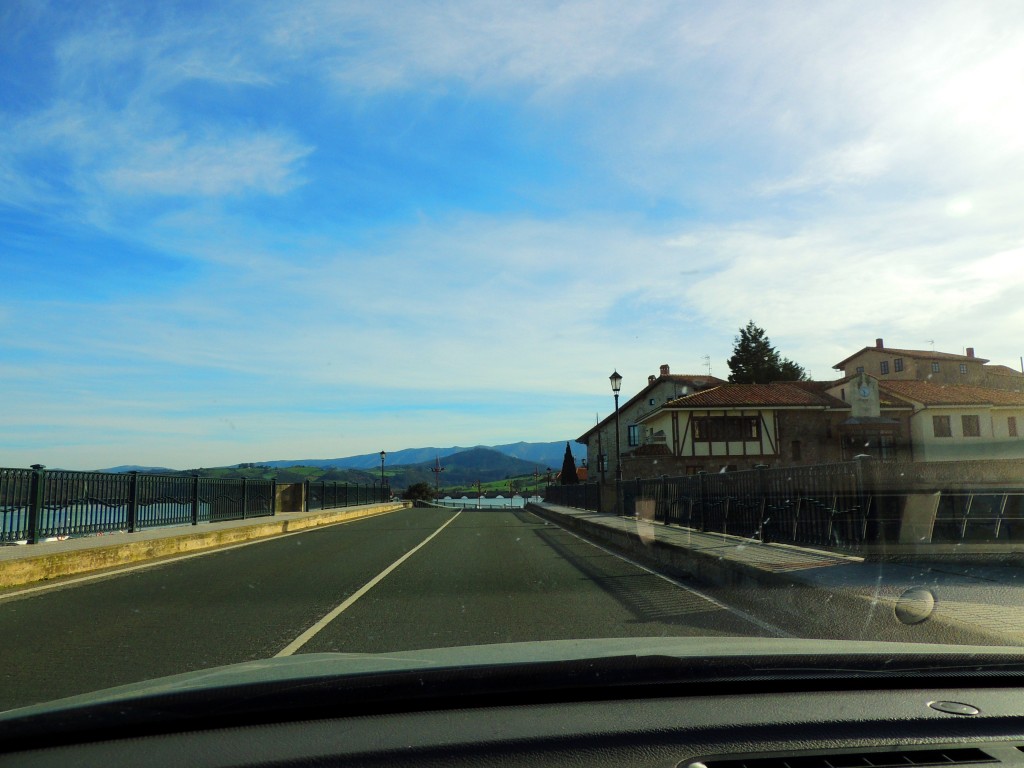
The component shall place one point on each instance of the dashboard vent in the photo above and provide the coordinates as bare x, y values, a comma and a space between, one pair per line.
905, 759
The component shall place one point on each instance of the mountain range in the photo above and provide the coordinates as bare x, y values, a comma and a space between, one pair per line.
539, 456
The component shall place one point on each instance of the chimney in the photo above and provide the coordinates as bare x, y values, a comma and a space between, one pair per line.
879, 344
664, 370
970, 351
651, 379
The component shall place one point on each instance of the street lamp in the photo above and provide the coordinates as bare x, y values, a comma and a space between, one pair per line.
383, 455
616, 381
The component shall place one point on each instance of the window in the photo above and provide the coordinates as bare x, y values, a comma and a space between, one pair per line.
633, 434
971, 426
935, 367
651, 401
885, 367
860, 369
1011, 426
721, 429
941, 426
897, 364
963, 367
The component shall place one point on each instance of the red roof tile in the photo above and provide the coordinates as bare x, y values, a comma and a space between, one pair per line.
1003, 370
928, 393
779, 394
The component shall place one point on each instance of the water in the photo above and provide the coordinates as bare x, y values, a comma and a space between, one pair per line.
499, 502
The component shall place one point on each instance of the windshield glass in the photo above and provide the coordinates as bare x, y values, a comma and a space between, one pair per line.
388, 327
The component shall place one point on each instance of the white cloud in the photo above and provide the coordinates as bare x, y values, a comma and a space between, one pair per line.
855, 164
403, 45
209, 167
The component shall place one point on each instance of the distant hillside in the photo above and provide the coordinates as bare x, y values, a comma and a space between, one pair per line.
369, 460
544, 454
468, 467
540, 456
137, 468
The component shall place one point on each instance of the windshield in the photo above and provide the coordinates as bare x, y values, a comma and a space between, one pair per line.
387, 327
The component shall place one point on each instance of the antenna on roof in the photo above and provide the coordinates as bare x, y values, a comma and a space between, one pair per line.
707, 362
932, 342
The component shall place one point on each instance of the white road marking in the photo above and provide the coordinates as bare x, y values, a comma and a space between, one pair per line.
310, 633
735, 611
120, 571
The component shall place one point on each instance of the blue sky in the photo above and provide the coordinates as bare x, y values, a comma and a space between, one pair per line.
243, 231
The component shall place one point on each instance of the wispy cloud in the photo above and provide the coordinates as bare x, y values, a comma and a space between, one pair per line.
274, 229
209, 167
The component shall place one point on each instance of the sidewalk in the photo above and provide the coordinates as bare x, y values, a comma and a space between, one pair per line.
20, 565
809, 592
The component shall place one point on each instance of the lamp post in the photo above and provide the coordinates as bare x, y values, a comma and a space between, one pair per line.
383, 455
616, 381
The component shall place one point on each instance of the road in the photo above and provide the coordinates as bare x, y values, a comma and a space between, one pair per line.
418, 578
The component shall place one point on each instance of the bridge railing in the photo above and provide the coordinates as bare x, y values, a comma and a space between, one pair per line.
331, 495
37, 504
578, 495
846, 505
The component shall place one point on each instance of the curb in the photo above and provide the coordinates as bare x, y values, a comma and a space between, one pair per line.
26, 570
794, 604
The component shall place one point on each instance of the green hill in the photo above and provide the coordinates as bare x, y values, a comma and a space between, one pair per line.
468, 467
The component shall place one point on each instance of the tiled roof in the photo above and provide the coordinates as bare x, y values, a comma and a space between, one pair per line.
693, 378
916, 353
810, 386
1003, 370
928, 393
781, 394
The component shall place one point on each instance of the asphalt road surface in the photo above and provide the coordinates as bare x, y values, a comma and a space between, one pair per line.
418, 578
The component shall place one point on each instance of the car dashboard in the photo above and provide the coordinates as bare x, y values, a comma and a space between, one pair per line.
870, 728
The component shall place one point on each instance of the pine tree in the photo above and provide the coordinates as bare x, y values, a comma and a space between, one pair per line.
756, 361
569, 468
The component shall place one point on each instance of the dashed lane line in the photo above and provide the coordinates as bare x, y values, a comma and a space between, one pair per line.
310, 633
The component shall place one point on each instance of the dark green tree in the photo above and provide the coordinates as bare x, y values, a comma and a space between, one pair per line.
756, 361
568, 476
419, 492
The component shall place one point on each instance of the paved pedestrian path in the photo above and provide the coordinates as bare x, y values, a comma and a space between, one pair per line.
978, 600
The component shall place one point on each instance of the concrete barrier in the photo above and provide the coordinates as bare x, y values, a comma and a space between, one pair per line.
69, 558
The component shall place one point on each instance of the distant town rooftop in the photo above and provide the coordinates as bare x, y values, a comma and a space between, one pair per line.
914, 353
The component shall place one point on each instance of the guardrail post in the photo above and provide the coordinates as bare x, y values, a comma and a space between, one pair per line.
273, 497
195, 499
666, 505
245, 498
863, 464
702, 498
762, 492
133, 500
35, 501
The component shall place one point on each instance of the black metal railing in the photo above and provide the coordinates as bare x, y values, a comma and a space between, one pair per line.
37, 504
844, 505
578, 495
324, 495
